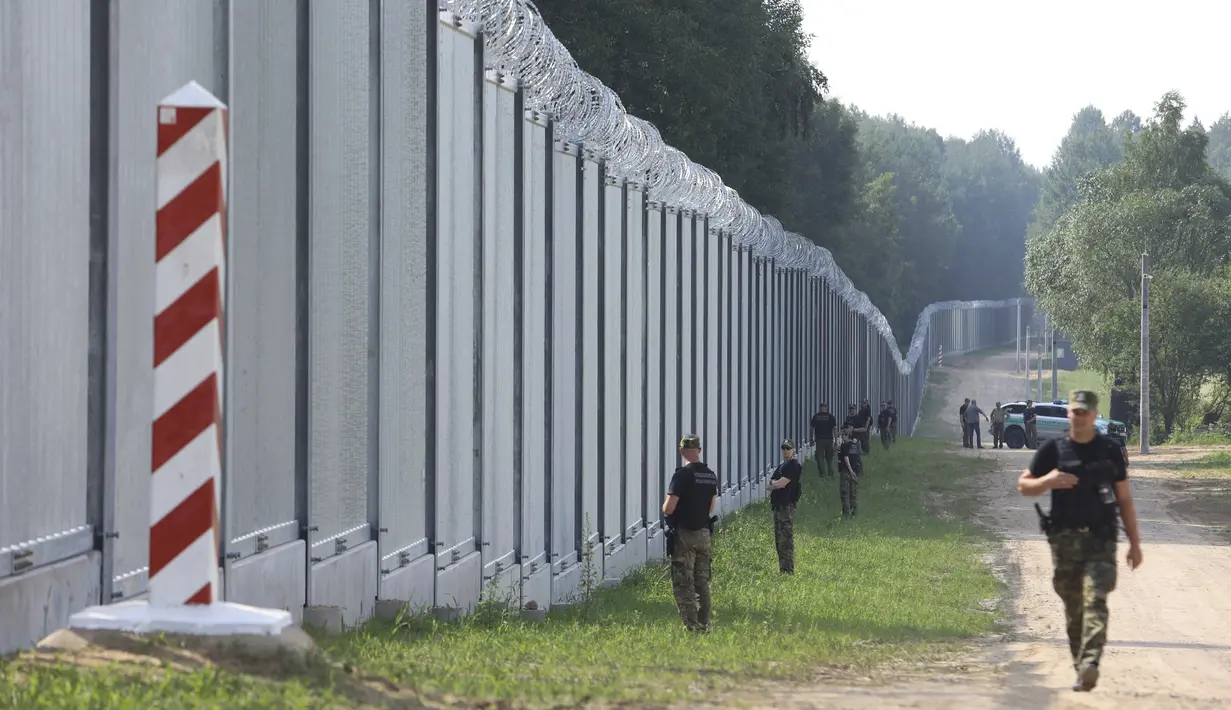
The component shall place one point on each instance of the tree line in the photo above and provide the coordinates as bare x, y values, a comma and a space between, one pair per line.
911, 217
1113, 192
914, 217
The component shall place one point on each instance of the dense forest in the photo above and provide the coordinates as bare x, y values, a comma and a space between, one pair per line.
914, 217
728, 83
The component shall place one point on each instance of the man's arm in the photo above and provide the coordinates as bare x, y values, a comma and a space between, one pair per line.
1128, 513
713, 503
1042, 476
669, 504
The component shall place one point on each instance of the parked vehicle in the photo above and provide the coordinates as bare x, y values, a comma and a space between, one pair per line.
1052, 420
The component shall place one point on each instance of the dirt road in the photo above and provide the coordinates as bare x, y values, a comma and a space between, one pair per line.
1170, 626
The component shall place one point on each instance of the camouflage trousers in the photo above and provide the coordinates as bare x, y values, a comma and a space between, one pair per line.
825, 457
690, 577
784, 536
1085, 573
848, 489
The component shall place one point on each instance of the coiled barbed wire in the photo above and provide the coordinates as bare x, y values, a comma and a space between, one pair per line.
518, 42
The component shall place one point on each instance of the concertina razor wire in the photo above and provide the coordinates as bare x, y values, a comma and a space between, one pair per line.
517, 42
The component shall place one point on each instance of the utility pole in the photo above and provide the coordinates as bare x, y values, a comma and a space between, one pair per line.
1051, 353
1041, 338
1017, 340
1026, 351
1144, 433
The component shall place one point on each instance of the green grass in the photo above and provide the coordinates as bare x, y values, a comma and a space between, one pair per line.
903, 581
1212, 465
1199, 438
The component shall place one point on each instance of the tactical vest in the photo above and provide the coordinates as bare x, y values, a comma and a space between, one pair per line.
1096, 486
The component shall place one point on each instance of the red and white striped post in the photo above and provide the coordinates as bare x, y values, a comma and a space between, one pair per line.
186, 458
940, 355
190, 278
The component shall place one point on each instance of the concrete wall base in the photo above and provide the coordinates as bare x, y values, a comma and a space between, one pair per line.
537, 588
348, 581
39, 602
459, 585
656, 546
273, 579
564, 586
414, 585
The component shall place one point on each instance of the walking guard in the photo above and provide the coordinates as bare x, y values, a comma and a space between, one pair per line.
850, 468
689, 513
784, 494
824, 438
1085, 472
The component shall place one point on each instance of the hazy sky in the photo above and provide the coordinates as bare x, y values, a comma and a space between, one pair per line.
1023, 67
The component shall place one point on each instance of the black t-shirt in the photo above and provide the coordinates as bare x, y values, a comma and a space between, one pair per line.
893, 414
852, 421
695, 485
1081, 504
961, 412
1028, 416
865, 416
823, 426
851, 450
883, 419
789, 469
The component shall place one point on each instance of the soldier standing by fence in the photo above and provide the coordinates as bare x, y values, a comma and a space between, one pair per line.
1084, 470
824, 436
784, 494
850, 468
865, 421
689, 508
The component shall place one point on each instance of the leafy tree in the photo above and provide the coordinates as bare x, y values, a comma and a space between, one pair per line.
993, 193
1219, 149
1163, 199
1089, 145
725, 81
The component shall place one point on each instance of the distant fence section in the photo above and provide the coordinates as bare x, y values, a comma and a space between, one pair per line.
472, 305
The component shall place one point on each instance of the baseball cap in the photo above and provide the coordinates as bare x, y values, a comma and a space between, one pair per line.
690, 441
1083, 400
788, 444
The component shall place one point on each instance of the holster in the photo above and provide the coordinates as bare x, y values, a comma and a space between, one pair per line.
1045, 521
669, 539
713, 521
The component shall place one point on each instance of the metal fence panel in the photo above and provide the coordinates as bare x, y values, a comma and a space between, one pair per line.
158, 47
458, 230
262, 340
635, 373
712, 347
590, 280
44, 275
535, 377
565, 354
655, 370
341, 233
687, 327
498, 286
613, 367
404, 298
672, 295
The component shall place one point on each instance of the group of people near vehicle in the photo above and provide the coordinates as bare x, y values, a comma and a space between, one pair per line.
972, 438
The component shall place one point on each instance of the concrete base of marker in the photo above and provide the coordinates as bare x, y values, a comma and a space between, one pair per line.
217, 619
222, 627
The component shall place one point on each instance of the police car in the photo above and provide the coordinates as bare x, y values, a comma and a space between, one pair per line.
1052, 420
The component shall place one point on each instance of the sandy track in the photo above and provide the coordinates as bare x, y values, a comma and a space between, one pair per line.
1170, 627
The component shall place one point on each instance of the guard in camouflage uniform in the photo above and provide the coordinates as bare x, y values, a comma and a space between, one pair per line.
850, 466
689, 513
784, 494
1085, 472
